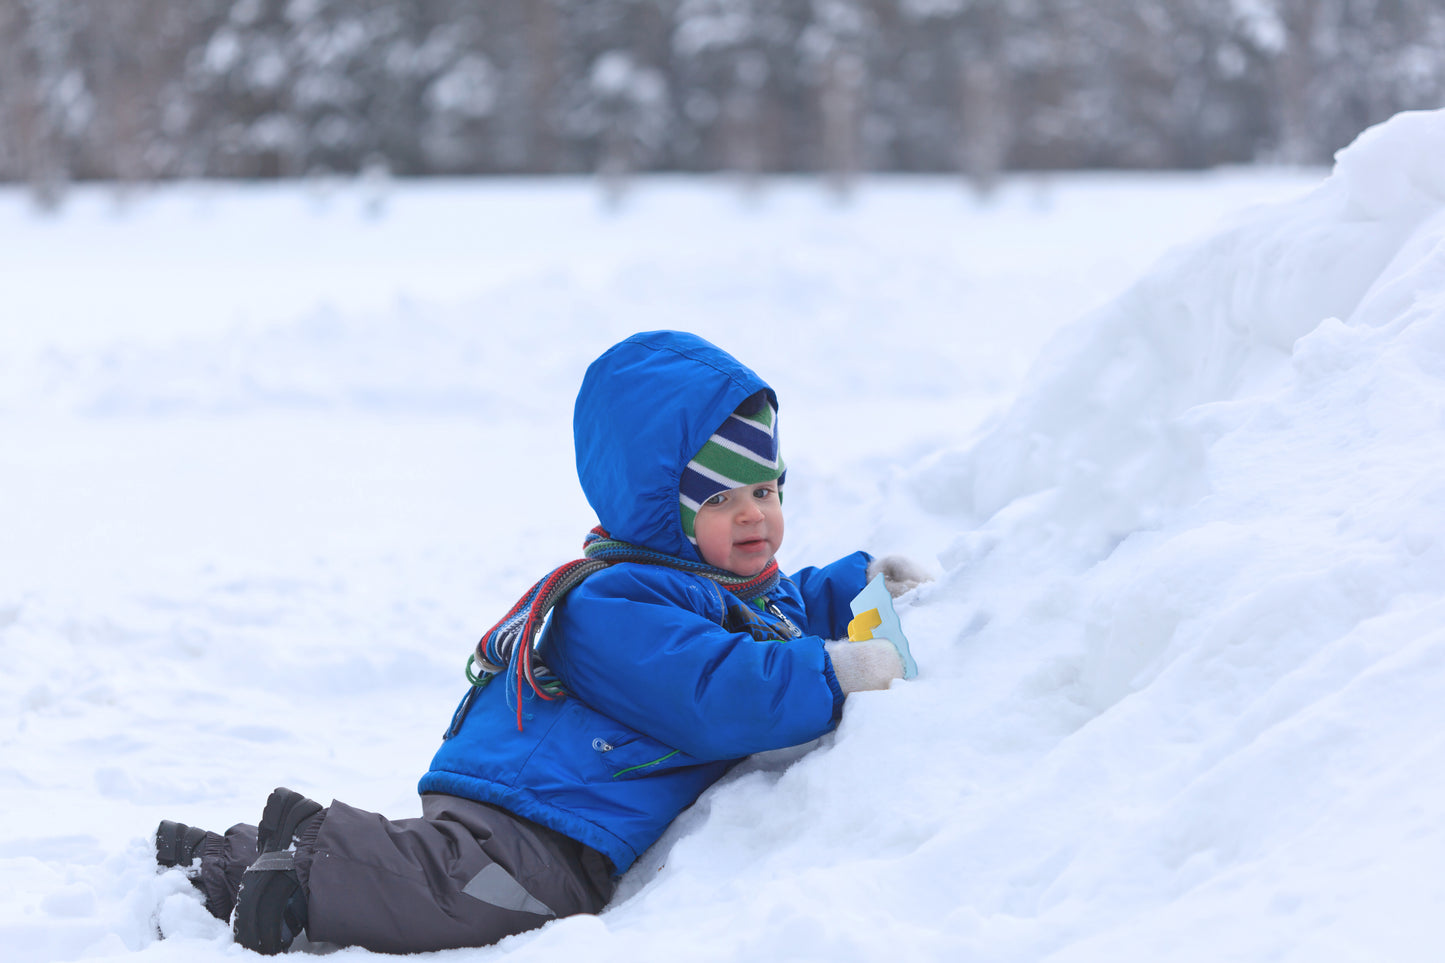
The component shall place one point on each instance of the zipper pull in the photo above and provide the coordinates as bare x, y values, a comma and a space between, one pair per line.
793, 630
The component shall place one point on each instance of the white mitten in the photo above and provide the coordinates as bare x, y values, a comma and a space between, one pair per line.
899, 574
865, 665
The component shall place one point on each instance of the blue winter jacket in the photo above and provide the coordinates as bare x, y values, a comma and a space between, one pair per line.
662, 696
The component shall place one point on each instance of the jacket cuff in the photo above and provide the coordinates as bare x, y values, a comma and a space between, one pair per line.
831, 677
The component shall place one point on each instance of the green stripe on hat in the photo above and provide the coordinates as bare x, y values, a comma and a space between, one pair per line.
737, 467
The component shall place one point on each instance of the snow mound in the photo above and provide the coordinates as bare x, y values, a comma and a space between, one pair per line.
1217, 395
1216, 514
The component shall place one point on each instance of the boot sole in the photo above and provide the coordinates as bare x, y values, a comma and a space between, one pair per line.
176, 843
259, 921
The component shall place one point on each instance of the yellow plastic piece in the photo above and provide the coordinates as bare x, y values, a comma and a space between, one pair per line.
863, 624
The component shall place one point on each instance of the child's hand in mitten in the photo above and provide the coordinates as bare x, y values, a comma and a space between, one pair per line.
864, 665
899, 574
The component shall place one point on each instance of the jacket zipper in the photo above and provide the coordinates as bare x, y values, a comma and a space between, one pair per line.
793, 630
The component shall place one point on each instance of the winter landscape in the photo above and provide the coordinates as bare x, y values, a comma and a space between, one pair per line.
1171, 444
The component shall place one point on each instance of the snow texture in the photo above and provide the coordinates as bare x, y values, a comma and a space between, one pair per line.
274, 457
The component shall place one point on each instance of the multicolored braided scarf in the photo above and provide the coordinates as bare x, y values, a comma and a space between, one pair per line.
510, 646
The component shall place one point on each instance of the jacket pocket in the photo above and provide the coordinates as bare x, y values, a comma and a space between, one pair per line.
630, 756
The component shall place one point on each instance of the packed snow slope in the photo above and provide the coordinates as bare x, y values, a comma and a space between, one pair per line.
1180, 669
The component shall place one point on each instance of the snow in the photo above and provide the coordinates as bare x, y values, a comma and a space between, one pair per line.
1169, 443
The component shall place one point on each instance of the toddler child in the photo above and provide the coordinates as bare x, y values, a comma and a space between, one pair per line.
616, 691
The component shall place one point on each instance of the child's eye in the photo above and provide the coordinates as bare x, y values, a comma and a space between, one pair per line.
765, 491
717, 499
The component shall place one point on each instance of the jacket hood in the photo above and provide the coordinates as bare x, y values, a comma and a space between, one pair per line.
646, 407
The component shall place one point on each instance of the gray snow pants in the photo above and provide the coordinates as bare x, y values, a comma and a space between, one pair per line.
464, 874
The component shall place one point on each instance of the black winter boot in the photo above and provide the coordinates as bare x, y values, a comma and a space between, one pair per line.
177, 843
187, 847
286, 810
271, 906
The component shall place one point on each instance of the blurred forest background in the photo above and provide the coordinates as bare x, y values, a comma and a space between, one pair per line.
142, 90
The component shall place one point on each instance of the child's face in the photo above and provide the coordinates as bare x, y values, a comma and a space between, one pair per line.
740, 530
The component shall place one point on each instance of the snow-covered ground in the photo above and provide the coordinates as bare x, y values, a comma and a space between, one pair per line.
273, 456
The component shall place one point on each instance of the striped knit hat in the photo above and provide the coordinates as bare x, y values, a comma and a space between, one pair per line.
744, 451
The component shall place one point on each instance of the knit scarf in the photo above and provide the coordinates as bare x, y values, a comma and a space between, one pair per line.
510, 646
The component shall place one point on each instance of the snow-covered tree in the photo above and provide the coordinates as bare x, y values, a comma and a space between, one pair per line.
137, 89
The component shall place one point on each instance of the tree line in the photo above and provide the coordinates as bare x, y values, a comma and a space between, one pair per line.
139, 90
